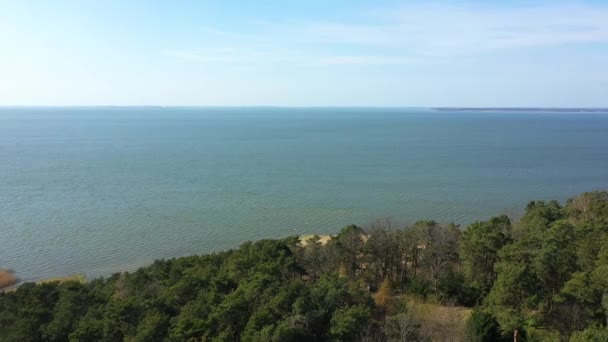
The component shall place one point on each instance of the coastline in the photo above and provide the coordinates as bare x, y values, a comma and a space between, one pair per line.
305, 239
521, 109
81, 278
192, 202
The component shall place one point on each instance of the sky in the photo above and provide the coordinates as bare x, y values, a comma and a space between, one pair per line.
304, 53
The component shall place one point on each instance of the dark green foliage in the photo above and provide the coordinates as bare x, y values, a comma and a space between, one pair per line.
540, 214
545, 276
481, 243
593, 333
347, 322
482, 327
419, 287
553, 275
255, 293
454, 289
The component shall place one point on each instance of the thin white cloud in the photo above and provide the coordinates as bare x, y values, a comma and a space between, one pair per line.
224, 55
184, 55
407, 35
366, 60
339, 33
428, 29
233, 56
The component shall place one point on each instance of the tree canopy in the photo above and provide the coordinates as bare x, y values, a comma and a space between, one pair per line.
543, 277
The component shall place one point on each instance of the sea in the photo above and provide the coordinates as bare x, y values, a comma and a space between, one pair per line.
98, 190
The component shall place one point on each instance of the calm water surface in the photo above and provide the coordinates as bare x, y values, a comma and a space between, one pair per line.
98, 190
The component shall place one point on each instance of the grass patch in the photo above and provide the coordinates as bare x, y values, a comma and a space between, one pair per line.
439, 322
77, 277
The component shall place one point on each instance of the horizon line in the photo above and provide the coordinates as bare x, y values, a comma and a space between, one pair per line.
321, 106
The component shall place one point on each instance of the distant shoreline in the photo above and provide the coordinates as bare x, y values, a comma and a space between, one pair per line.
521, 109
270, 107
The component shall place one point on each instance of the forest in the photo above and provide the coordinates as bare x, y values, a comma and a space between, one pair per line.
541, 277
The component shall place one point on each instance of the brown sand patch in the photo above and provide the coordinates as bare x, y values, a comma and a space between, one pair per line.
7, 278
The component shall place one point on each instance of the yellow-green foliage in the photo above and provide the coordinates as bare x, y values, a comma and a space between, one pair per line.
439, 322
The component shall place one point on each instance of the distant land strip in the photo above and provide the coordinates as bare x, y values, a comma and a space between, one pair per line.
521, 109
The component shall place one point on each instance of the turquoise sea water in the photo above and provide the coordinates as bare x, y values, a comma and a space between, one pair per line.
98, 190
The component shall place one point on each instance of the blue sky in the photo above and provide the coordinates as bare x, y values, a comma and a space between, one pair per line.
304, 53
